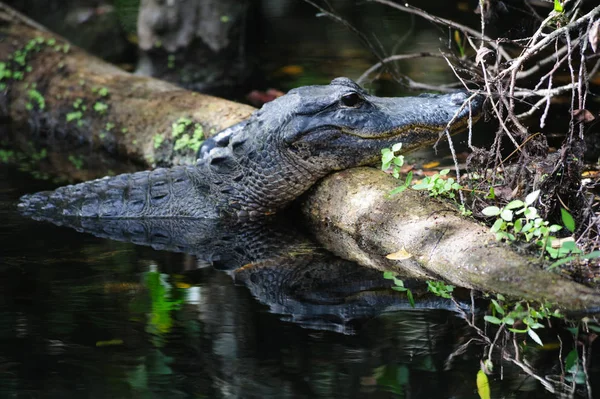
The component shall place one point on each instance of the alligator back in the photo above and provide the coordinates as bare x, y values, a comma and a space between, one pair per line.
156, 193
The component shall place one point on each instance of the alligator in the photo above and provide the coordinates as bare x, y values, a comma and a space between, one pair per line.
261, 165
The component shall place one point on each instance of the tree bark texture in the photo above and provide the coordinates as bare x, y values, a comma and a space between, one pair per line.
411, 234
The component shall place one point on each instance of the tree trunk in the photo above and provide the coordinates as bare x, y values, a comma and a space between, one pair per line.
412, 234
93, 116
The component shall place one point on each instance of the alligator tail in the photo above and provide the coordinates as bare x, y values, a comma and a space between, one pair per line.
157, 193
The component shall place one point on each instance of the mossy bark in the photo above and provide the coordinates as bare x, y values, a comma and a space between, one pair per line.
93, 111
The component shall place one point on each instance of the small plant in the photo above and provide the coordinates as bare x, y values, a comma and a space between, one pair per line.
530, 226
438, 186
390, 159
399, 286
522, 318
440, 289
158, 140
100, 107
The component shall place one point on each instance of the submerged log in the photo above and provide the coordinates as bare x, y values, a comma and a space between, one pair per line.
82, 109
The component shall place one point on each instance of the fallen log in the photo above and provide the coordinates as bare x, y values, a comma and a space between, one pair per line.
94, 116
412, 234
58, 97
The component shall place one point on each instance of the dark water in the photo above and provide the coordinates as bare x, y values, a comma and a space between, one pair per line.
82, 316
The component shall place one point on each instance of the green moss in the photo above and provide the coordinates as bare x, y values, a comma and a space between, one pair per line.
180, 126
103, 92
36, 98
185, 139
17, 64
74, 116
100, 107
158, 140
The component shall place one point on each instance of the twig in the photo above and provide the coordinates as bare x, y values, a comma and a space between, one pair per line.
442, 21
530, 51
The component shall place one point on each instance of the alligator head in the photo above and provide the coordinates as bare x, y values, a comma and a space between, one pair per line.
260, 165
293, 141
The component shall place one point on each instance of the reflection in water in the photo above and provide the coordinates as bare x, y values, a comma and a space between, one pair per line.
282, 267
82, 316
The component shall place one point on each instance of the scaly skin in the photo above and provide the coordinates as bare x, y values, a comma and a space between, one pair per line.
261, 165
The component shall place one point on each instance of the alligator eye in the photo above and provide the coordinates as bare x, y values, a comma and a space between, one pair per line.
351, 100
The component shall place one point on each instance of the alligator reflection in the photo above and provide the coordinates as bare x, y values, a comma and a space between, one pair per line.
281, 267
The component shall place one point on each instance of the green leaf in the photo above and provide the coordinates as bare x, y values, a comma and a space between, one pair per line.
497, 306
483, 385
532, 197
411, 300
491, 211
498, 224
409, 177
397, 190
421, 186
491, 194
531, 213
387, 157
388, 275
518, 225
492, 319
535, 337
571, 360
399, 160
594, 328
567, 219
444, 172
396, 147
507, 215
558, 7
554, 228
514, 204
591, 255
